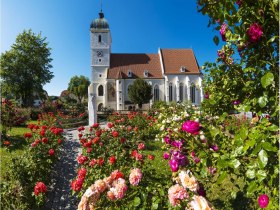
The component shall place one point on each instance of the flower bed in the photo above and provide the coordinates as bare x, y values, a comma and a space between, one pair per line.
24, 184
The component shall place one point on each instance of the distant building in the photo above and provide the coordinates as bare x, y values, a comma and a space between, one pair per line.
173, 73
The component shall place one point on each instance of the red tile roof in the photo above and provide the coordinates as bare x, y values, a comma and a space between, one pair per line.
174, 59
120, 64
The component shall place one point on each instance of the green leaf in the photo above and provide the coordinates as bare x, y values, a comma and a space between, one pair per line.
262, 158
234, 163
268, 147
262, 101
250, 174
243, 133
136, 201
252, 187
267, 79
222, 176
249, 144
273, 127
222, 163
261, 175
155, 206
216, 40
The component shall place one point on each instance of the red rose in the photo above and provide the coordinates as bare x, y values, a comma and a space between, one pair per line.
110, 125
100, 161
45, 140
93, 162
82, 173
98, 133
112, 160
95, 125
80, 135
28, 135
151, 157
95, 140
59, 141
77, 184
81, 128
6, 143
40, 187
117, 174
82, 159
115, 134
51, 152
123, 140
89, 150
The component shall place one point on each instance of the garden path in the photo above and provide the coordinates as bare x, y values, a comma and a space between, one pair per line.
60, 194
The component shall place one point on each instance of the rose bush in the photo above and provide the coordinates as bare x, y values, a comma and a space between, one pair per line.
120, 151
217, 149
29, 172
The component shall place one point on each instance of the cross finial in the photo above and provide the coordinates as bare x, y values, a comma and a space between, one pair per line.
101, 4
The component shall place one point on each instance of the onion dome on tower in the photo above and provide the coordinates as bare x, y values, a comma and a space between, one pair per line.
100, 23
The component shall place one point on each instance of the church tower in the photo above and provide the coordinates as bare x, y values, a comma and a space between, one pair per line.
100, 46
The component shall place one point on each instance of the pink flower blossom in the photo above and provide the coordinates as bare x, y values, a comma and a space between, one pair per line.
223, 31
255, 32
176, 193
100, 185
191, 127
135, 176
263, 201
199, 203
118, 188
141, 146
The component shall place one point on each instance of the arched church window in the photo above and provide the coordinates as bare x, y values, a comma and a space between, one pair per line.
156, 93
170, 91
99, 38
193, 93
100, 90
181, 92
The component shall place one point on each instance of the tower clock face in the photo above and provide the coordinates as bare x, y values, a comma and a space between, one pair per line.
99, 53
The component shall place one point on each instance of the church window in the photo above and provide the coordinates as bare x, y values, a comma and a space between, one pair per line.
193, 94
99, 38
129, 73
99, 60
156, 93
181, 92
100, 90
146, 73
170, 91
100, 75
183, 69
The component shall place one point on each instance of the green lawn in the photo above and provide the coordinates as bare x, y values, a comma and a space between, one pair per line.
18, 145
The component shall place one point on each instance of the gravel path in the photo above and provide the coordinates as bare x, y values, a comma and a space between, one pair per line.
60, 195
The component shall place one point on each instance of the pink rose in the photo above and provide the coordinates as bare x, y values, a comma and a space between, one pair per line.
263, 201
191, 127
254, 32
223, 31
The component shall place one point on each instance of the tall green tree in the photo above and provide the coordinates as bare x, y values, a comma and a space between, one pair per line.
79, 86
25, 68
140, 92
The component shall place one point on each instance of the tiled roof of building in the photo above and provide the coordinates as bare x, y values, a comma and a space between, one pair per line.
120, 64
174, 59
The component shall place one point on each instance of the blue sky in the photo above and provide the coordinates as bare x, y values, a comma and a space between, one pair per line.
137, 26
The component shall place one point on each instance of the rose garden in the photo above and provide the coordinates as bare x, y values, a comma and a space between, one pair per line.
172, 156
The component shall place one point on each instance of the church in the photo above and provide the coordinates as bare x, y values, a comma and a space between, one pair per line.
174, 74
